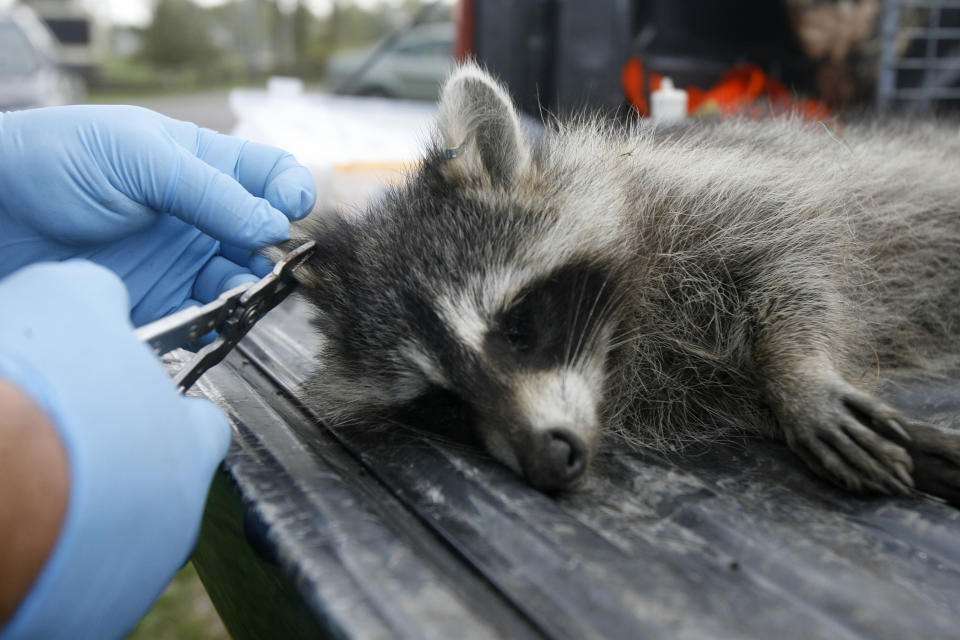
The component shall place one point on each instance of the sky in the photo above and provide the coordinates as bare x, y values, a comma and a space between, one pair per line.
137, 12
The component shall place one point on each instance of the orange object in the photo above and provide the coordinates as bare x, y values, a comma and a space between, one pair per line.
744, 89
631, 79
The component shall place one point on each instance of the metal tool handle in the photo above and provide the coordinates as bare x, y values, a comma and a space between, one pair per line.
231, 315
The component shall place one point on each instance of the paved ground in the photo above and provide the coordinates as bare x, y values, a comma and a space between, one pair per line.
206, 108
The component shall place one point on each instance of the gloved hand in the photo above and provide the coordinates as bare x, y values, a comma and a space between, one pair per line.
141, 456
97, 182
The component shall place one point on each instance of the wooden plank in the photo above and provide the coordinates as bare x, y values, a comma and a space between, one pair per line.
733, 542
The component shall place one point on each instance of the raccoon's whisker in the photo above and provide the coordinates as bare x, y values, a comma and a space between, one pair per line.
626, 337
600, 325
597, 317
573, 312
592, 325
572, 350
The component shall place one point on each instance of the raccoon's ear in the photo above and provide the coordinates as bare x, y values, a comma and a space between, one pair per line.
480, 127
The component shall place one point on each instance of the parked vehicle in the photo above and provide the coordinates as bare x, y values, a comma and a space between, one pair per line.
30, 74
411, 65
70, 22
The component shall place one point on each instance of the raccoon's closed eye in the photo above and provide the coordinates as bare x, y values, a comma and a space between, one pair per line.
552, 320
519, 328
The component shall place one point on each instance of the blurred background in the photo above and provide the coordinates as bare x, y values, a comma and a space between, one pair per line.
64, 51
348, 85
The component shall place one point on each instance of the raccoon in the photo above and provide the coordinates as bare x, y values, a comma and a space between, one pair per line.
650, 286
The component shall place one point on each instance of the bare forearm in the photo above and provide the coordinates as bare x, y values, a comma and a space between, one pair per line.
34, 490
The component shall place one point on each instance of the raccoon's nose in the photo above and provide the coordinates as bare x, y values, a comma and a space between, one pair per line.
557, 458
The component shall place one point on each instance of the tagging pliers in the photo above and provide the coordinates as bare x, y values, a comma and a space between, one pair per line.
231, 315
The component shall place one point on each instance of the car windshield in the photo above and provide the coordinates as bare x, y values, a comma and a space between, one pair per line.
17, 56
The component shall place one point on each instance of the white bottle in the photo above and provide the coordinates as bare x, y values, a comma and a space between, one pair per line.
667, 104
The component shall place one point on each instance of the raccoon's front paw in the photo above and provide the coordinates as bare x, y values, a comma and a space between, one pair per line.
850, 438
936, 455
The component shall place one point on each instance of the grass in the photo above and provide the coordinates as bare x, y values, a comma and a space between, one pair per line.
183, 612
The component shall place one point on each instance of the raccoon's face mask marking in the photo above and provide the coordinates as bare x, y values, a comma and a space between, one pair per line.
538, 357
551, 343
528, 386
549, 323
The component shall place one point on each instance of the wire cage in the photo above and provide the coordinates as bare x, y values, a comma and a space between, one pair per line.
919, 70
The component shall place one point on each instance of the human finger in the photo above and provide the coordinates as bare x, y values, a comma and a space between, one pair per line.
218, 205
265, 171
258, 264
212, 433
219, 275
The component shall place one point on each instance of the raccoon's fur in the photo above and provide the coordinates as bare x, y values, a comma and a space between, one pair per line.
666, 286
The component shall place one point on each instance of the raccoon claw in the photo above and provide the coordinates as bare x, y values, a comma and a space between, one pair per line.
936, 453
903, 474
884, 419
855, 441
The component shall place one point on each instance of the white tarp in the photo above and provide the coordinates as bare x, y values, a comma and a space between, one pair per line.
353, 145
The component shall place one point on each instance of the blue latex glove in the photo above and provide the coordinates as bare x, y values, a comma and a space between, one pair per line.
97, 182
141, 455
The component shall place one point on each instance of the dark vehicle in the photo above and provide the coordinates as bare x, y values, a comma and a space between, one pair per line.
412, 66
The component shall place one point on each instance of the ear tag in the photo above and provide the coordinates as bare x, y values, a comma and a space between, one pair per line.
455, 152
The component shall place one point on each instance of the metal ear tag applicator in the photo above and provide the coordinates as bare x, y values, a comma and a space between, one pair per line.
231, 315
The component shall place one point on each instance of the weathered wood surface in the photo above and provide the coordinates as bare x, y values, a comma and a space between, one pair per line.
388, 534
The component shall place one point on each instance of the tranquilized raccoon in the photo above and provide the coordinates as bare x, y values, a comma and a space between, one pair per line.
671, 286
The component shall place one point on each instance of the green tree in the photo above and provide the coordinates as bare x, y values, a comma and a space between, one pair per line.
180, 37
